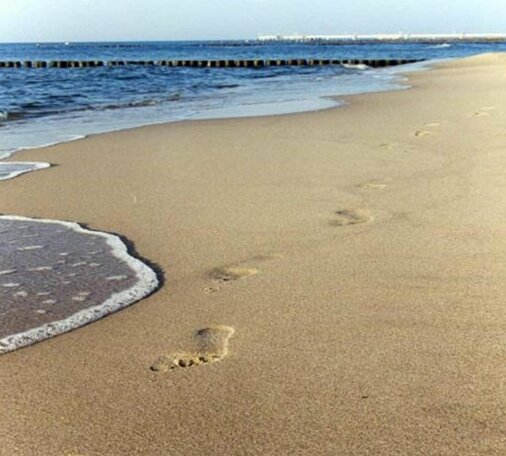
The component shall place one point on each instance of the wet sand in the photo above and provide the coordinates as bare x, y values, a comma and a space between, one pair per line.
57, 276
335, 282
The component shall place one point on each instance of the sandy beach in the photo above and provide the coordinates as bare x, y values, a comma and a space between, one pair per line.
334, 282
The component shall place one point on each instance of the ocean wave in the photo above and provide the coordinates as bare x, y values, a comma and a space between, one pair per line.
227, 86
359, 66
36, 109
440, 46
10, 116
139, 103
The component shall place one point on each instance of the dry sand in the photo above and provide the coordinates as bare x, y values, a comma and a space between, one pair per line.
359, 254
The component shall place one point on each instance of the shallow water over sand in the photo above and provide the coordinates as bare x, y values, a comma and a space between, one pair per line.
56, 276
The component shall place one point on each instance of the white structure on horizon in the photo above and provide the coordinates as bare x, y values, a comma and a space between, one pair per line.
388, 37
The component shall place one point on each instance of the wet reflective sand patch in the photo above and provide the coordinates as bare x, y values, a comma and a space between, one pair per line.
42, 296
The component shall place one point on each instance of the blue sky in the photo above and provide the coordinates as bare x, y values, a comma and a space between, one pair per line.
97, 20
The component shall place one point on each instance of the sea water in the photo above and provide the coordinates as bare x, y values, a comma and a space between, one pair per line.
46, 106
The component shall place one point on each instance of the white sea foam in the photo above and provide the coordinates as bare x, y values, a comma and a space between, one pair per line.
10, 170
40, 269
29, 248
117, 278
359, 66
146, 282
8, 271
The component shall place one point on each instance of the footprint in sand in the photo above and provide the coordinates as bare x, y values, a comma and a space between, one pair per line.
226, 274
433, 124
211, 345
374, 184
236, 271
485, 111
229, 273
388, 146
346, 217
422, 133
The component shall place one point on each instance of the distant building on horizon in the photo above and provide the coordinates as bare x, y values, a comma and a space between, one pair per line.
301, 38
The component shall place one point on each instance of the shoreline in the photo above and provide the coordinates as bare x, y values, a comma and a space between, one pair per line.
355, 255
146, 283
267, 109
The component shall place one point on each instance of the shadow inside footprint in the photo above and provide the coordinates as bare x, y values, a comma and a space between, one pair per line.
211, 345
422, 133
228, 273
346, 217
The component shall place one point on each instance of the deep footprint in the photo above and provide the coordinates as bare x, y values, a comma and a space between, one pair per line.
211, 345
346, 217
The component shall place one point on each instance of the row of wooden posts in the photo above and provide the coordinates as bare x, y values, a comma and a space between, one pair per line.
201, 63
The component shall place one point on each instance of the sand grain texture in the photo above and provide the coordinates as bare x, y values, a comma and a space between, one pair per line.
385, 338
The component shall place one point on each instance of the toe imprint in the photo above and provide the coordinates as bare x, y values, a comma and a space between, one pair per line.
211, 345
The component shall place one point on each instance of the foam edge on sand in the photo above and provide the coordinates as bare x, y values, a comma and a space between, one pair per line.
147, 282
29, 167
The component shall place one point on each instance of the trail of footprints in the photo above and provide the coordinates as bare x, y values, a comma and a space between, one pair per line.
211, 345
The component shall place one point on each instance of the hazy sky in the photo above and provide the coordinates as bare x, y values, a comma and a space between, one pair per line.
96, 20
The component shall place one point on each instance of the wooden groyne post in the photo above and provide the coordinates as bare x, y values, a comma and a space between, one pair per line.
250, 63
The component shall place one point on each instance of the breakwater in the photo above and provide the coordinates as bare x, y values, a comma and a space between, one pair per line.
256, 63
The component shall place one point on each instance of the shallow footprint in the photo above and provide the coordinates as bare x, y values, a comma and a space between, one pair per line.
422, 133
388, 146
228, 273
346, 217
211, 346
481, 114
236, 271
374, 184
433, 124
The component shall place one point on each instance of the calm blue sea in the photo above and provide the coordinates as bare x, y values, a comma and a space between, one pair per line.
47, 106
